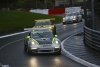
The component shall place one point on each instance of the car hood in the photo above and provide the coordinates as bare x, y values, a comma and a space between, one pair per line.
44, 40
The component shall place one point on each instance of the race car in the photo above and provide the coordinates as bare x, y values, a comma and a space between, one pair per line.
45, 23
42, 40
72, 17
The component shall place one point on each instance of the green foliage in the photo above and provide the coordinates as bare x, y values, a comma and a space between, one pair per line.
12, 20
78, 4
21, 2
26, 3
97, 7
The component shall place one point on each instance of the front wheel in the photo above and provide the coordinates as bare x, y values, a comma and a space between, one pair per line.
59, 52
77, 21
81, 20
64, 23
28, 51
54, 31
25, 49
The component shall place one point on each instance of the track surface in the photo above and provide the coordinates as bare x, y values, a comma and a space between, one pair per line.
13, 54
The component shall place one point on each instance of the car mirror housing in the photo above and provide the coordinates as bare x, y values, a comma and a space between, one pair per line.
56, 36
28, 37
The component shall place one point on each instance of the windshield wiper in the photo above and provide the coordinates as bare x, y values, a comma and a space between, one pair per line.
39, 34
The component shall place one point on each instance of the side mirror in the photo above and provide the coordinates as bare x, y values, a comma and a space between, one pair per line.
56, 36
28, 37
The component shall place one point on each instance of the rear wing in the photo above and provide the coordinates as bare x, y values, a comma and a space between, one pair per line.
37, 29
44, 19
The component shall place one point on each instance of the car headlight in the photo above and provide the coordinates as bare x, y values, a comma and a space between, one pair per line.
56, 42
32, 44
74, 18
63, 19
50, 27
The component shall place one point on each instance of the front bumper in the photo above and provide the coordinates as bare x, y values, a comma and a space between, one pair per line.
71, 21
45, 50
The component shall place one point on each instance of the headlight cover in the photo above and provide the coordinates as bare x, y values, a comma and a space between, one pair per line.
32, 44
63, 19
50, 27
74, 17
56, 44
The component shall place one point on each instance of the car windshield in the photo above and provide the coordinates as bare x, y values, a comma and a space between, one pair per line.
38, 23
68, 14
47, 23
42, 34
74, 14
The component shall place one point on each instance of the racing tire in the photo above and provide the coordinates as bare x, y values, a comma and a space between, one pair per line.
64, 23
81, 20
25, 49
77, 21
54, 32
25, 44
28, 51
59, 52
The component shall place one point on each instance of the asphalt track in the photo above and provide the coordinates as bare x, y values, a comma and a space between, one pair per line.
12, 52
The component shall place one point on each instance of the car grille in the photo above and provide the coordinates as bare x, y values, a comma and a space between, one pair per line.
45, 50
46, 45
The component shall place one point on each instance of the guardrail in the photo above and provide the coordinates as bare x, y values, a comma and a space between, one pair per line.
55, 11
92, 38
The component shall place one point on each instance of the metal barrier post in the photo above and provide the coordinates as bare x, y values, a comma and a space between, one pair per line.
92, 6
85, 12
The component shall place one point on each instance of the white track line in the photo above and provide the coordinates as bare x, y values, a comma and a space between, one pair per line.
13, 34
1, 64
66, 53
24, 32
9, 44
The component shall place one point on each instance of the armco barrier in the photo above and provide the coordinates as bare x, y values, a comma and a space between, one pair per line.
92, 38
72, 9
42, 11
54, 11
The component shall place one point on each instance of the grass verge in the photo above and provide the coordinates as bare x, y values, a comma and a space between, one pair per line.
16, 20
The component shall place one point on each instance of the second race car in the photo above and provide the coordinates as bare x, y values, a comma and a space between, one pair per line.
45, 23
72, 17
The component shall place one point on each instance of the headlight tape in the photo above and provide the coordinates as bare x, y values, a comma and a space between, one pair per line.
35, 41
